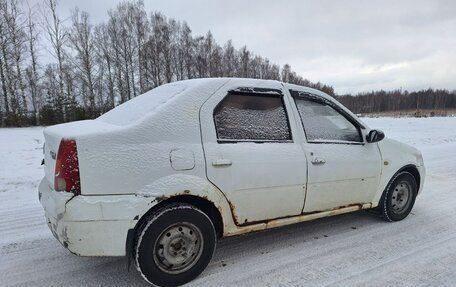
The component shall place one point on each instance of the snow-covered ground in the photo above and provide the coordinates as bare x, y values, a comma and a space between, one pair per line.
355, 249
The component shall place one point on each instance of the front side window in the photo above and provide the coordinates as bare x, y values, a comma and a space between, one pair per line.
323, 123
245, 117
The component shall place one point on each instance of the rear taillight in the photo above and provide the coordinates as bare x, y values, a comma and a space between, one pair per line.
67, 168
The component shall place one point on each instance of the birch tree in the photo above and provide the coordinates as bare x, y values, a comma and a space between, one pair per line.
32, 70
57, 36
82, 42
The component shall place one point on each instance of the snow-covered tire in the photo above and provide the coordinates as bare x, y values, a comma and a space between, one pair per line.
399, 197
174, 245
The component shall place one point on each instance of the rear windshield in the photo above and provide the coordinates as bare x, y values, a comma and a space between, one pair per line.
137, 108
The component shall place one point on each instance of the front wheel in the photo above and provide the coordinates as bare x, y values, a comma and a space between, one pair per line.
175, 245
399, 197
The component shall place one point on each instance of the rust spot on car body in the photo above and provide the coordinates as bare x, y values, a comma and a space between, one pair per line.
160, 198
233, 212
277, 222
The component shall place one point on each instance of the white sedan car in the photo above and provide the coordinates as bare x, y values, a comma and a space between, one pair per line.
161, 177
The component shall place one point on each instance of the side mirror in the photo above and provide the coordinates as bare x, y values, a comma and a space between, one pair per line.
375, 136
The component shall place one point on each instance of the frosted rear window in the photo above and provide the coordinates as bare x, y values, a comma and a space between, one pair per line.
251, 118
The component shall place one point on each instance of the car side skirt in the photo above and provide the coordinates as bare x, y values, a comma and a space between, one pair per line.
273, 223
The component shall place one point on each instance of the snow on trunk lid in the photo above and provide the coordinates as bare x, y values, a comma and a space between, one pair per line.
74, 130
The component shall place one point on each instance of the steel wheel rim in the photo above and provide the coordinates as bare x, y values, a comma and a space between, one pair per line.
178, 248
401, 197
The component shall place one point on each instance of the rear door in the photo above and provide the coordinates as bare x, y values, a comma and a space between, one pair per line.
252, 153
343, 168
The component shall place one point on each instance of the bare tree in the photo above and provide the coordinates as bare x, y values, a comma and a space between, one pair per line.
285, 74
12, 47
187, 45
141, 29
57, 38
18, 42
3, 64
200, 63
244, 61
229, 60
32, 70
105, 52
127, 29
114, 34
81, 40
216, 59
181, 45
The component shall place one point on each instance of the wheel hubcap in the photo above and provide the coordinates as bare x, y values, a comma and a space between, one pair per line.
178, 248
400, 199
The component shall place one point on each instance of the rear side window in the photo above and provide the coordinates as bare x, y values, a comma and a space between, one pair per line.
323, 123
245, 117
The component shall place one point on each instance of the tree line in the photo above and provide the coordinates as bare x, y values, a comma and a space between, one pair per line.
398, 100
55, 70
97, 67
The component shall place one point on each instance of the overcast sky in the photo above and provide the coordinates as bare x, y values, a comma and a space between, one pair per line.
352, 45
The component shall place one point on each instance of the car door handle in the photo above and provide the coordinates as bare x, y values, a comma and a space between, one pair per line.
221, 162
318, 160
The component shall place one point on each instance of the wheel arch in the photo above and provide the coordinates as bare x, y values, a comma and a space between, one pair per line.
388, 177
383, 208
203, 204
413, 170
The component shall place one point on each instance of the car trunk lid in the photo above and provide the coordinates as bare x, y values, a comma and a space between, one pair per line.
77, 131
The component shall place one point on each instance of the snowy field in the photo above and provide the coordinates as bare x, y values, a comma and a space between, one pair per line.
355, 249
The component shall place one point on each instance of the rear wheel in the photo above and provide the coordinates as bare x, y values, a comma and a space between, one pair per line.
175, 245
399, 197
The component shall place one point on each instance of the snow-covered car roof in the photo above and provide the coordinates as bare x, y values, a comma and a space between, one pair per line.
150, 102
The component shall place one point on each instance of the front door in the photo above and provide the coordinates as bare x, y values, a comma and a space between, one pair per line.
251, 153
343, 168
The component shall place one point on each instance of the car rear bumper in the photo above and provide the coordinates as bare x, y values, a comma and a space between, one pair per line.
92, 225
